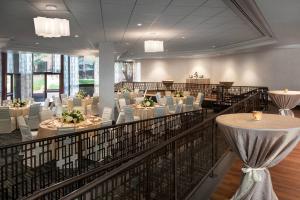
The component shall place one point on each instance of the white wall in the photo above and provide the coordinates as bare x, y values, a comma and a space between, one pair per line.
275, 68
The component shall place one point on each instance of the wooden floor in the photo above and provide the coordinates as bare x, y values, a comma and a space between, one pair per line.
285, 177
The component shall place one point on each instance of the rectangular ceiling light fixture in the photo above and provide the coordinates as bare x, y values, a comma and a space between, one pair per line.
51, 27
152, 46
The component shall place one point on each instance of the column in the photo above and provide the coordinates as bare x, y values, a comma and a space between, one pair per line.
106, 75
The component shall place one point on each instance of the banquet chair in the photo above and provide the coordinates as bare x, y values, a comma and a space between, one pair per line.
145, 93
67, 156
136, 90
168, 93
139, 100
57, 101
199, 101
6, 102
21, 121
178, 109
121, 118
186, 93
162, 101
46, 114
159, 111
106, 117
93, 109
7, 123
77, 105
129, 116
189, 104
122, 103
170, 103
158, 96
46, 104
33, 118
33, 152
127, 97
63, 96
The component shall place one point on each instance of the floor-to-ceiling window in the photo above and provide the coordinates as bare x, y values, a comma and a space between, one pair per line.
86, 74
46, 75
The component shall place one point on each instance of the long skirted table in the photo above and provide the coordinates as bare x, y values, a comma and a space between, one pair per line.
260, 145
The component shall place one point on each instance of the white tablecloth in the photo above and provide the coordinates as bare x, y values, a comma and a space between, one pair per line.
260, 145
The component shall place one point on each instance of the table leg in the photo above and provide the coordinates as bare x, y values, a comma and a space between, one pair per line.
286, 112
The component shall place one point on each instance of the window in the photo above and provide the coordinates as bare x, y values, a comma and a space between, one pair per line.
9, 86
86, 74
46, 62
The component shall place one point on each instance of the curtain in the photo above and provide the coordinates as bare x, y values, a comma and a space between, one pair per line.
137, 72
74, 75
124, 71
66, 75
25, 67
96, 77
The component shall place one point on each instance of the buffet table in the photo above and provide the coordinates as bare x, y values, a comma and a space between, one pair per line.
198, 80
260, 145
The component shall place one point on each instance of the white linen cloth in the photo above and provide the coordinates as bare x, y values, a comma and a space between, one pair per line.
285, 101
260, 145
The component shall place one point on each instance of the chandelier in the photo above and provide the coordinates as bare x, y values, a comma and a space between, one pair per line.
51, 27
154, 46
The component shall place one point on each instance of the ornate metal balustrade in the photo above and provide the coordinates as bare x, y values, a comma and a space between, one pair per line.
171, 170
31, 166
216, 92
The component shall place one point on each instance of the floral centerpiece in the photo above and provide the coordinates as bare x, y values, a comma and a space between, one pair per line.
18, 103
74, 116
126, 89
178, 94
81, 94
147, 102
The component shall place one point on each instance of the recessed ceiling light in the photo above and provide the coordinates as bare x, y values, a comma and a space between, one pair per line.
127, 43
76, 36
182, 37
37, 43
213, 46
51, 7
139, 24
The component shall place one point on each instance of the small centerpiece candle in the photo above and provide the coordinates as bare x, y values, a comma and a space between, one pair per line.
257, 115
286, 90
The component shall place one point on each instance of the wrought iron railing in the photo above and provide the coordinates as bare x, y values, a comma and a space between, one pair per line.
33, 165
219, 93
171, 170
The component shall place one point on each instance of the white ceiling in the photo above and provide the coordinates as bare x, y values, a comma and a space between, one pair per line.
204, 24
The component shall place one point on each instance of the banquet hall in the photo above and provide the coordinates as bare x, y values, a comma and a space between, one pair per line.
149, 99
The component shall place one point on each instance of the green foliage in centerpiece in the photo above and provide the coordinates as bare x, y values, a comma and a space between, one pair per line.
81, 94
17, 103
74, 116
126, 89
178, 94
147, 102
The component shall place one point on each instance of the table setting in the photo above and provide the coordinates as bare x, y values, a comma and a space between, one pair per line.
261, 141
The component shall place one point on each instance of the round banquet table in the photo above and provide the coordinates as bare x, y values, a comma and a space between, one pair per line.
260, 145
49, 127
146, 112
285, 101
18, 111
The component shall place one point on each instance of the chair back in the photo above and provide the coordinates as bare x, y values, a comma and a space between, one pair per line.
168, 93
158, 96
63, 96
21, 121
200, 98
58, 111
189, 100
186, 93
145, 93
127, 97
162, 101
138, 100
76, 101
34, 109
46, 114
121, 118
4, 112
159, 111
169, 100
65, 130
46, 103
122, 103
128, 111
6, 102
25, 132
56, 101
106, 115
178, 108
95, 101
